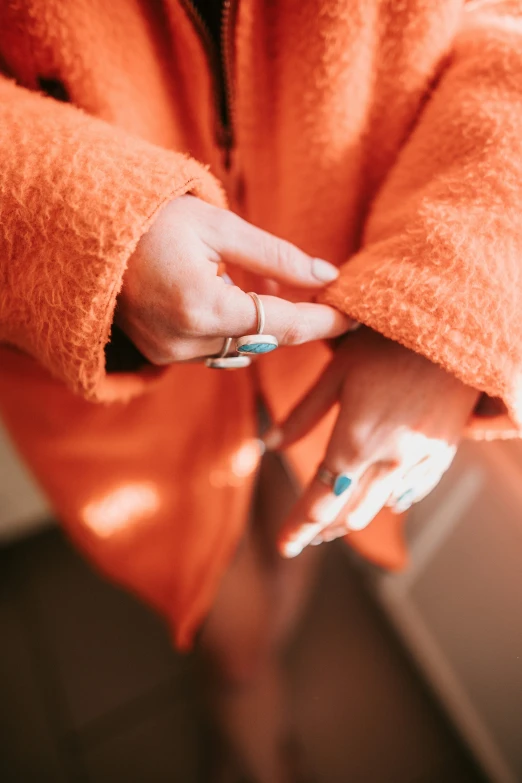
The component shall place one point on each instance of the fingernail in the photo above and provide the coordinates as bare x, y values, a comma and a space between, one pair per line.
317, 541
404, 502
324, 271
292, 549
273, 439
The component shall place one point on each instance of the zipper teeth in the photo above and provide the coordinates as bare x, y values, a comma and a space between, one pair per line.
226, 49
217, 65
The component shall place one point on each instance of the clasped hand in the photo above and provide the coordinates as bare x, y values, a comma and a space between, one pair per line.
399, 422
400, 416
174, 305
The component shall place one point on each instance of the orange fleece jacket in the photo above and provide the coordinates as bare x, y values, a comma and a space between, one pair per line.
386, 137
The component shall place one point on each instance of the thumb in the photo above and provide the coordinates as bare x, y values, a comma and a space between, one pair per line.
233, 313
262, 253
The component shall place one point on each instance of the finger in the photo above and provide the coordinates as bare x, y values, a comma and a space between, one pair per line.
359, 515
234, 314
374, 490
320, 506
331, 533
187, 350
251, 248
330, 517
312, 514
409, 482
349, 452
337, 528
421, 479
418, 491
308, 412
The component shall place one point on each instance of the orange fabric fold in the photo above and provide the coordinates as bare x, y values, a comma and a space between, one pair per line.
388, 142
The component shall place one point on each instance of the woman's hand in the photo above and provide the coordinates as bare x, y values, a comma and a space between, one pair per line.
399, 423
175, 307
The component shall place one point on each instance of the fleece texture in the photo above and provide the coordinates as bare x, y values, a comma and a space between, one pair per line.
96, 188
383, 136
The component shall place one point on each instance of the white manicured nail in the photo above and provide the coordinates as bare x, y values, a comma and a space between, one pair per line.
324, 271
292, 548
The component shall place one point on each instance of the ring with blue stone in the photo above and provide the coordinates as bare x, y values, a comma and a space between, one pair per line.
260, 342
339, 482
224, 362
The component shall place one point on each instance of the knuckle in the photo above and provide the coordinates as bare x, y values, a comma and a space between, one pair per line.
221, 307
355, 446
284, 255
151, 344
158, 353
183, 324
176, 352
357, 439
221, 227
192, 318
156, 356
202, 321
184, 350
295, 333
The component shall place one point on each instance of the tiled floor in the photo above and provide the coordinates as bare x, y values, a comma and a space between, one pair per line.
91, 691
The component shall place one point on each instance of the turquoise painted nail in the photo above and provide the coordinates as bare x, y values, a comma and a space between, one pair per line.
341, 484
404, 502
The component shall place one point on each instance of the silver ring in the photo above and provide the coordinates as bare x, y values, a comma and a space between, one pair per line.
259, 342
260, 312
226, 347
339, 482
224, 362
228, 362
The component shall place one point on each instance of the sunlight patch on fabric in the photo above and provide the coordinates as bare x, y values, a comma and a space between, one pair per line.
241, 464
120, 508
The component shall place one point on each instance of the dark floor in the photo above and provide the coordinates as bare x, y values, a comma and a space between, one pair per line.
91, 691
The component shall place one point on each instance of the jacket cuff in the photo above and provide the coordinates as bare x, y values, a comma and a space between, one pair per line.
376, 289
76, 196
100, 384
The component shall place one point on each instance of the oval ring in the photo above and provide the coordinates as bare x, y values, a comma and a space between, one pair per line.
224, 362
259, 342
338, 482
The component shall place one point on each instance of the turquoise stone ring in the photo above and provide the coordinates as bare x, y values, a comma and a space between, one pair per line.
225, 362
339, 482
257, 343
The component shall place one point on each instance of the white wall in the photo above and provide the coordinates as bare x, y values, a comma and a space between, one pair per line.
458, 605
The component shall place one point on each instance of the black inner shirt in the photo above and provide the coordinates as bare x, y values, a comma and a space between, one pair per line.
211, 12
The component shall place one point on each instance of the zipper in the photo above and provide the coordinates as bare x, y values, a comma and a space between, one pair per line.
221, 70
227, 53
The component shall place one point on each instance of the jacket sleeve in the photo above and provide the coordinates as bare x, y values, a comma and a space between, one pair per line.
76, 194
440, 269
